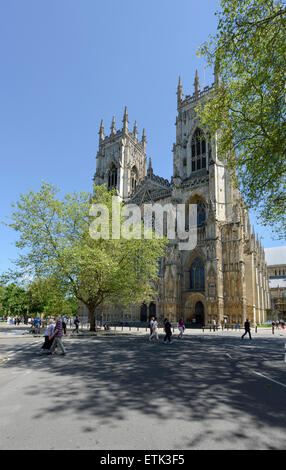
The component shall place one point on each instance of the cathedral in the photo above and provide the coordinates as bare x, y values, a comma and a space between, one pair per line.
224, 278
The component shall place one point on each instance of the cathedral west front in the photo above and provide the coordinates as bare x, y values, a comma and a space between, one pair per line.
224, 278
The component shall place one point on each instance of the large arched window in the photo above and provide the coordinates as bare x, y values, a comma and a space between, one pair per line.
112, 177
201, 213
198, 151
197, 275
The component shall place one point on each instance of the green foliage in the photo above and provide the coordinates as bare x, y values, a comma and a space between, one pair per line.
55, 241
48, 297
247, 110
13, 300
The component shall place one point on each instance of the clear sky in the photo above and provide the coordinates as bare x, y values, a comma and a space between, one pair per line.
66, 64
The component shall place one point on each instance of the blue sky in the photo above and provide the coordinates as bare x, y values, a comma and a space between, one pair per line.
66, 64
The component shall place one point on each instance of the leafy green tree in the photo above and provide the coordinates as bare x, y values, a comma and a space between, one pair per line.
13, 300
247, 109
55, 242
48, 297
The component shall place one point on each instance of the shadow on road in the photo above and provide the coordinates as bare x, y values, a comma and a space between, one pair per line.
193, 380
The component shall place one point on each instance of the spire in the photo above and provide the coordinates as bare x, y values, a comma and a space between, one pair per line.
113, 129
125, 120
101, 131
197, 83
150, 169
135, 130
179, 92
144, 139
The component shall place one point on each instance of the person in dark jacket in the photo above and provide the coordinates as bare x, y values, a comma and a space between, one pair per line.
168, 331
247, 329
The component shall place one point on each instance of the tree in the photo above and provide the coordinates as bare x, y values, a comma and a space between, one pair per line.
13, 300
56, 243
47, 296
247, 108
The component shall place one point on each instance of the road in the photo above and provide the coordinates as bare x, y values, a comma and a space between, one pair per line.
207, 391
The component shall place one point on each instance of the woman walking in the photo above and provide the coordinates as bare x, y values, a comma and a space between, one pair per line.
48, 336
181, 328
154, 330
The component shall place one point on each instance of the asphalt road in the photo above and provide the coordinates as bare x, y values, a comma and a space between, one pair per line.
207, 391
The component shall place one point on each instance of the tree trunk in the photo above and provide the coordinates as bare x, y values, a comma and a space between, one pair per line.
91, 310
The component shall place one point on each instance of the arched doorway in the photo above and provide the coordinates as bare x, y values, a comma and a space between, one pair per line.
199, 313
152, 310
143, 313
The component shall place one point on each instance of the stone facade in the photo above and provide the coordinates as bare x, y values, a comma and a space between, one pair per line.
225, 276
276, 267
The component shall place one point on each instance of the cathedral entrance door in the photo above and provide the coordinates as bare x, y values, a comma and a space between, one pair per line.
199, 313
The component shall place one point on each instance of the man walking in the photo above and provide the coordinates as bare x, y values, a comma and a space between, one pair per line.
57, 336
247, 329
168, 331
76, 324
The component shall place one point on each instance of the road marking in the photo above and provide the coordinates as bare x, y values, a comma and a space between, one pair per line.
268, 378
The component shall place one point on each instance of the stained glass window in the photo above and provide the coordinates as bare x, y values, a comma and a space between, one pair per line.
197, 275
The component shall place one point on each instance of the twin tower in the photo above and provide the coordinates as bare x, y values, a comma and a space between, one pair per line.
121, 161
121, 158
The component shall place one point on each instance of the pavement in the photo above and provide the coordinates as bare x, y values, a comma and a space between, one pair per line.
210, 390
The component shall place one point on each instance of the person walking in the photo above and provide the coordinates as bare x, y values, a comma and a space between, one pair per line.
154, 330
76, 324
48, 336
57, 337
151, 325
214, 324
181, 328
247, 329
168, 331
64, 323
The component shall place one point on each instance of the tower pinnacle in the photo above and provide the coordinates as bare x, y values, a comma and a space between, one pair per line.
101, 131
197, 83
135, 130
113, 129
125, 120
179, 92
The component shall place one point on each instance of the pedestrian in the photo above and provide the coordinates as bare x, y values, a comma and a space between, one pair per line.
57, 337
154, 330
247, 329
76, 324
151, 325
37, 324
168, 331
273, 327
48, 336
181, 327
214, 324
64, 323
